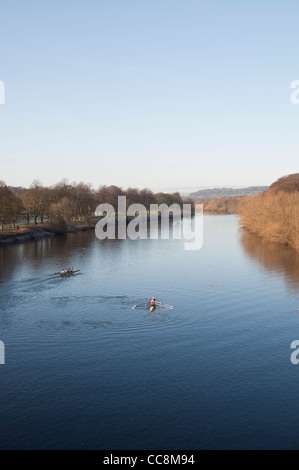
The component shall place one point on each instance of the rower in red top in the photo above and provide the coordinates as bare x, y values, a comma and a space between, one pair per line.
153, 304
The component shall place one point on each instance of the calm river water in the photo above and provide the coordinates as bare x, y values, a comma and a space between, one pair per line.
86, 371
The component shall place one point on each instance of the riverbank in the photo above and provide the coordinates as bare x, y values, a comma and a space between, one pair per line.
273, 217
32, 233
36, 233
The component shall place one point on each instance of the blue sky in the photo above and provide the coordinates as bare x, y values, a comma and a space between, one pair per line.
163, 94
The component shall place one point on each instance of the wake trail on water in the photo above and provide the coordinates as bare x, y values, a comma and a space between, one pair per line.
106, 312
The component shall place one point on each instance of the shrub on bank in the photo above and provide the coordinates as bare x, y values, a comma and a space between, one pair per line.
273, 216
223, 205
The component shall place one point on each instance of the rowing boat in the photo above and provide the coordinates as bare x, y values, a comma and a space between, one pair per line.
69, 273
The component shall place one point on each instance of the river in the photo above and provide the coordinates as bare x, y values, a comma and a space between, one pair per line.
85, 370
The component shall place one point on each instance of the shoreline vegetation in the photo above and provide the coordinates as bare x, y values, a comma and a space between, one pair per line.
33, 233
222, 205
39, 212
272, 215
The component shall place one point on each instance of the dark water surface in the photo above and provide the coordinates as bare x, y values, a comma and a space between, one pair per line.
86, 371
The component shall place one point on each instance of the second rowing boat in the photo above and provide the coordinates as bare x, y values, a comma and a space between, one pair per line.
68, 273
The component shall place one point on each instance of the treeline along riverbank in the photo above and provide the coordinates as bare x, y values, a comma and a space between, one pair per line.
39, 211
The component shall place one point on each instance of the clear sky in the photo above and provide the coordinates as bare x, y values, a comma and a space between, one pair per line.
149, 93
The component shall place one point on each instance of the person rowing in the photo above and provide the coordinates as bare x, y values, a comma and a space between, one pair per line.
153, 303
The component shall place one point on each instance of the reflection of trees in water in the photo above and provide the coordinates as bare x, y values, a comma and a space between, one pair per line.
273, 257
63, 251
13, 257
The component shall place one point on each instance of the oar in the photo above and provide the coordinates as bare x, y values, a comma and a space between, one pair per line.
163, 305
156, 305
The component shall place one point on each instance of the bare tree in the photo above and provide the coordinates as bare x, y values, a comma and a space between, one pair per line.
84, 201
109, 195
10, 205
36, 202
61, 213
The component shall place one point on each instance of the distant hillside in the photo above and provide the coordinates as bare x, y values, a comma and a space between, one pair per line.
206, 194
16, 189
288, 184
